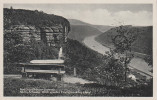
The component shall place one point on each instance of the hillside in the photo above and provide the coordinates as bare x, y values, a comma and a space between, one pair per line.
77, 22
81, 57
23, 36
142, 44
79, 32
89, 64
34, 18
101, 28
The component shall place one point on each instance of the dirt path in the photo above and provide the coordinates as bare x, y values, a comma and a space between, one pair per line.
67, 79
12, 76
71, 79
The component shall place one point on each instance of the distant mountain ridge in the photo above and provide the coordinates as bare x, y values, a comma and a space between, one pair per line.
81, 30
77, 22
101, 28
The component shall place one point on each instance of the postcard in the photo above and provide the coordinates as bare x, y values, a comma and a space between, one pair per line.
87, 49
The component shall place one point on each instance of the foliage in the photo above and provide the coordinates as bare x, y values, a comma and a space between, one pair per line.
142, 44
111, 71
81, 57
139, 90
12, 88
91, 65
114, 69
149, 60
17, 51
34, 18
123, 42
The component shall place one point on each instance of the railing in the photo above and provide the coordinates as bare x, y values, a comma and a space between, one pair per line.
45, 71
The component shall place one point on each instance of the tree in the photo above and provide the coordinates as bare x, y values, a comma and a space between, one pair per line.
149, 60
111, 71
123, 42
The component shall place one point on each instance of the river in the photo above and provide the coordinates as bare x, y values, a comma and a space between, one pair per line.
137, 63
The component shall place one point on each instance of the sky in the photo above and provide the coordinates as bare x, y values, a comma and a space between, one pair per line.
97, 14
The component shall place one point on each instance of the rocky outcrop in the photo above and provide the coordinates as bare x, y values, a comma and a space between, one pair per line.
50, 29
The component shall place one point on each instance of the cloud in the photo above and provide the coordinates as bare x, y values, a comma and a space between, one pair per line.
99, 14
105, 17
139, 18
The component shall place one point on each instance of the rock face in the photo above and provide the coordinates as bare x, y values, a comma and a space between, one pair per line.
54, 35
49, 35
25, 31
50, 29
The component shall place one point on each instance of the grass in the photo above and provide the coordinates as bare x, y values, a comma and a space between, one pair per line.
12, 87
41, 87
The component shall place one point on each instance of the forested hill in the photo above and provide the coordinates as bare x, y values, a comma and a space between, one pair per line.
101, 28
80, 30
35, 18
23, 38
142, 44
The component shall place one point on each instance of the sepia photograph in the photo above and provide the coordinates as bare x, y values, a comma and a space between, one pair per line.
78, 50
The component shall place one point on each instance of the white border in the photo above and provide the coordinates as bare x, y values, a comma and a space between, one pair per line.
154, 2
